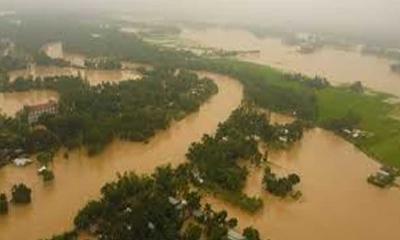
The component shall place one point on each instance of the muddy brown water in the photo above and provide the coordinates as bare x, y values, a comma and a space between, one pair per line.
337, 202
11, 103
338, 66
79, 178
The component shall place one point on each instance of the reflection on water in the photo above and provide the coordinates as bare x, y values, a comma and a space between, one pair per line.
79, 178
337, 202
337, 65
11, 103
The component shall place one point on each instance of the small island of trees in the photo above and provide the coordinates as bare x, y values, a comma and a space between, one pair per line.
94, 115
215, 158
279, 186
21, 194
161, 206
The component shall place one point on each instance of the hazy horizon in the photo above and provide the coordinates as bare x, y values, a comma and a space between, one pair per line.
367, 18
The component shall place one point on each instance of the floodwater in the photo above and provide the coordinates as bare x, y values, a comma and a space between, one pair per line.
79, 178
338, 66
337, 201
94, 77
11, 103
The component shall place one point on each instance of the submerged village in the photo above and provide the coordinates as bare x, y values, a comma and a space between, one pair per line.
108, 133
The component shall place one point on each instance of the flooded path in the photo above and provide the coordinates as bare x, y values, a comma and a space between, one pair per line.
337, 202
337, 65
79, 178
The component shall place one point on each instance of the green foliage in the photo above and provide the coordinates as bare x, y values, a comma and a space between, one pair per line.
215, 157
131, 110
45, 157
40, 139
3, 204
193, 232
138, 206
280, 187
47, 175
251, 233
21, 194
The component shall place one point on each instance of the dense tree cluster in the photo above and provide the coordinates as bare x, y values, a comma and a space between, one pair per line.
3, 204
152, 207
94, 115
317, 82
251, 233
216, 157
349, 121
279, 186
21, 194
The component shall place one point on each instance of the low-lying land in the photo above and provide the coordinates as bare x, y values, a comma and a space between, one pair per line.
92, 116
160, 206
215, 158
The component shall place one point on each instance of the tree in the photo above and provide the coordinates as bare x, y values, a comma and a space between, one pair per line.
3, 204
294, 178
45, 157
357, 87
47, 175
251, 233
193, 232
21, 194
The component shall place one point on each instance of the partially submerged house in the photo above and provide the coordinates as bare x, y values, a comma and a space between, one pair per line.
233, 235
21, 162
33, 112
386, 176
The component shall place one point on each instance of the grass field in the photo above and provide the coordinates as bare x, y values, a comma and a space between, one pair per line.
381, 119
376, 118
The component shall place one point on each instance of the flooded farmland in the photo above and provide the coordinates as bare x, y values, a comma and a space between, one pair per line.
79, 178
338, 66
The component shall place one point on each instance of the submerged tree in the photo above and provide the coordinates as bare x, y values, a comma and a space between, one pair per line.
3, 204
21, 194
251, 233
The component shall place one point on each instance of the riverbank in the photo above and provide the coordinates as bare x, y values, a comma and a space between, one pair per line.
339, 66
337, 202
272, 89
49, 209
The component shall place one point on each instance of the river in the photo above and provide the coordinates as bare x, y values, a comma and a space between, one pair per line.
339, 66
337, 201
79, 178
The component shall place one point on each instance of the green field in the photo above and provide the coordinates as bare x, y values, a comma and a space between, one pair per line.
376, 118
268, 88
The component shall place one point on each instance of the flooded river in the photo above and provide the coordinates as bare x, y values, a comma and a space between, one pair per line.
338, 66
337, 202
79, 178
